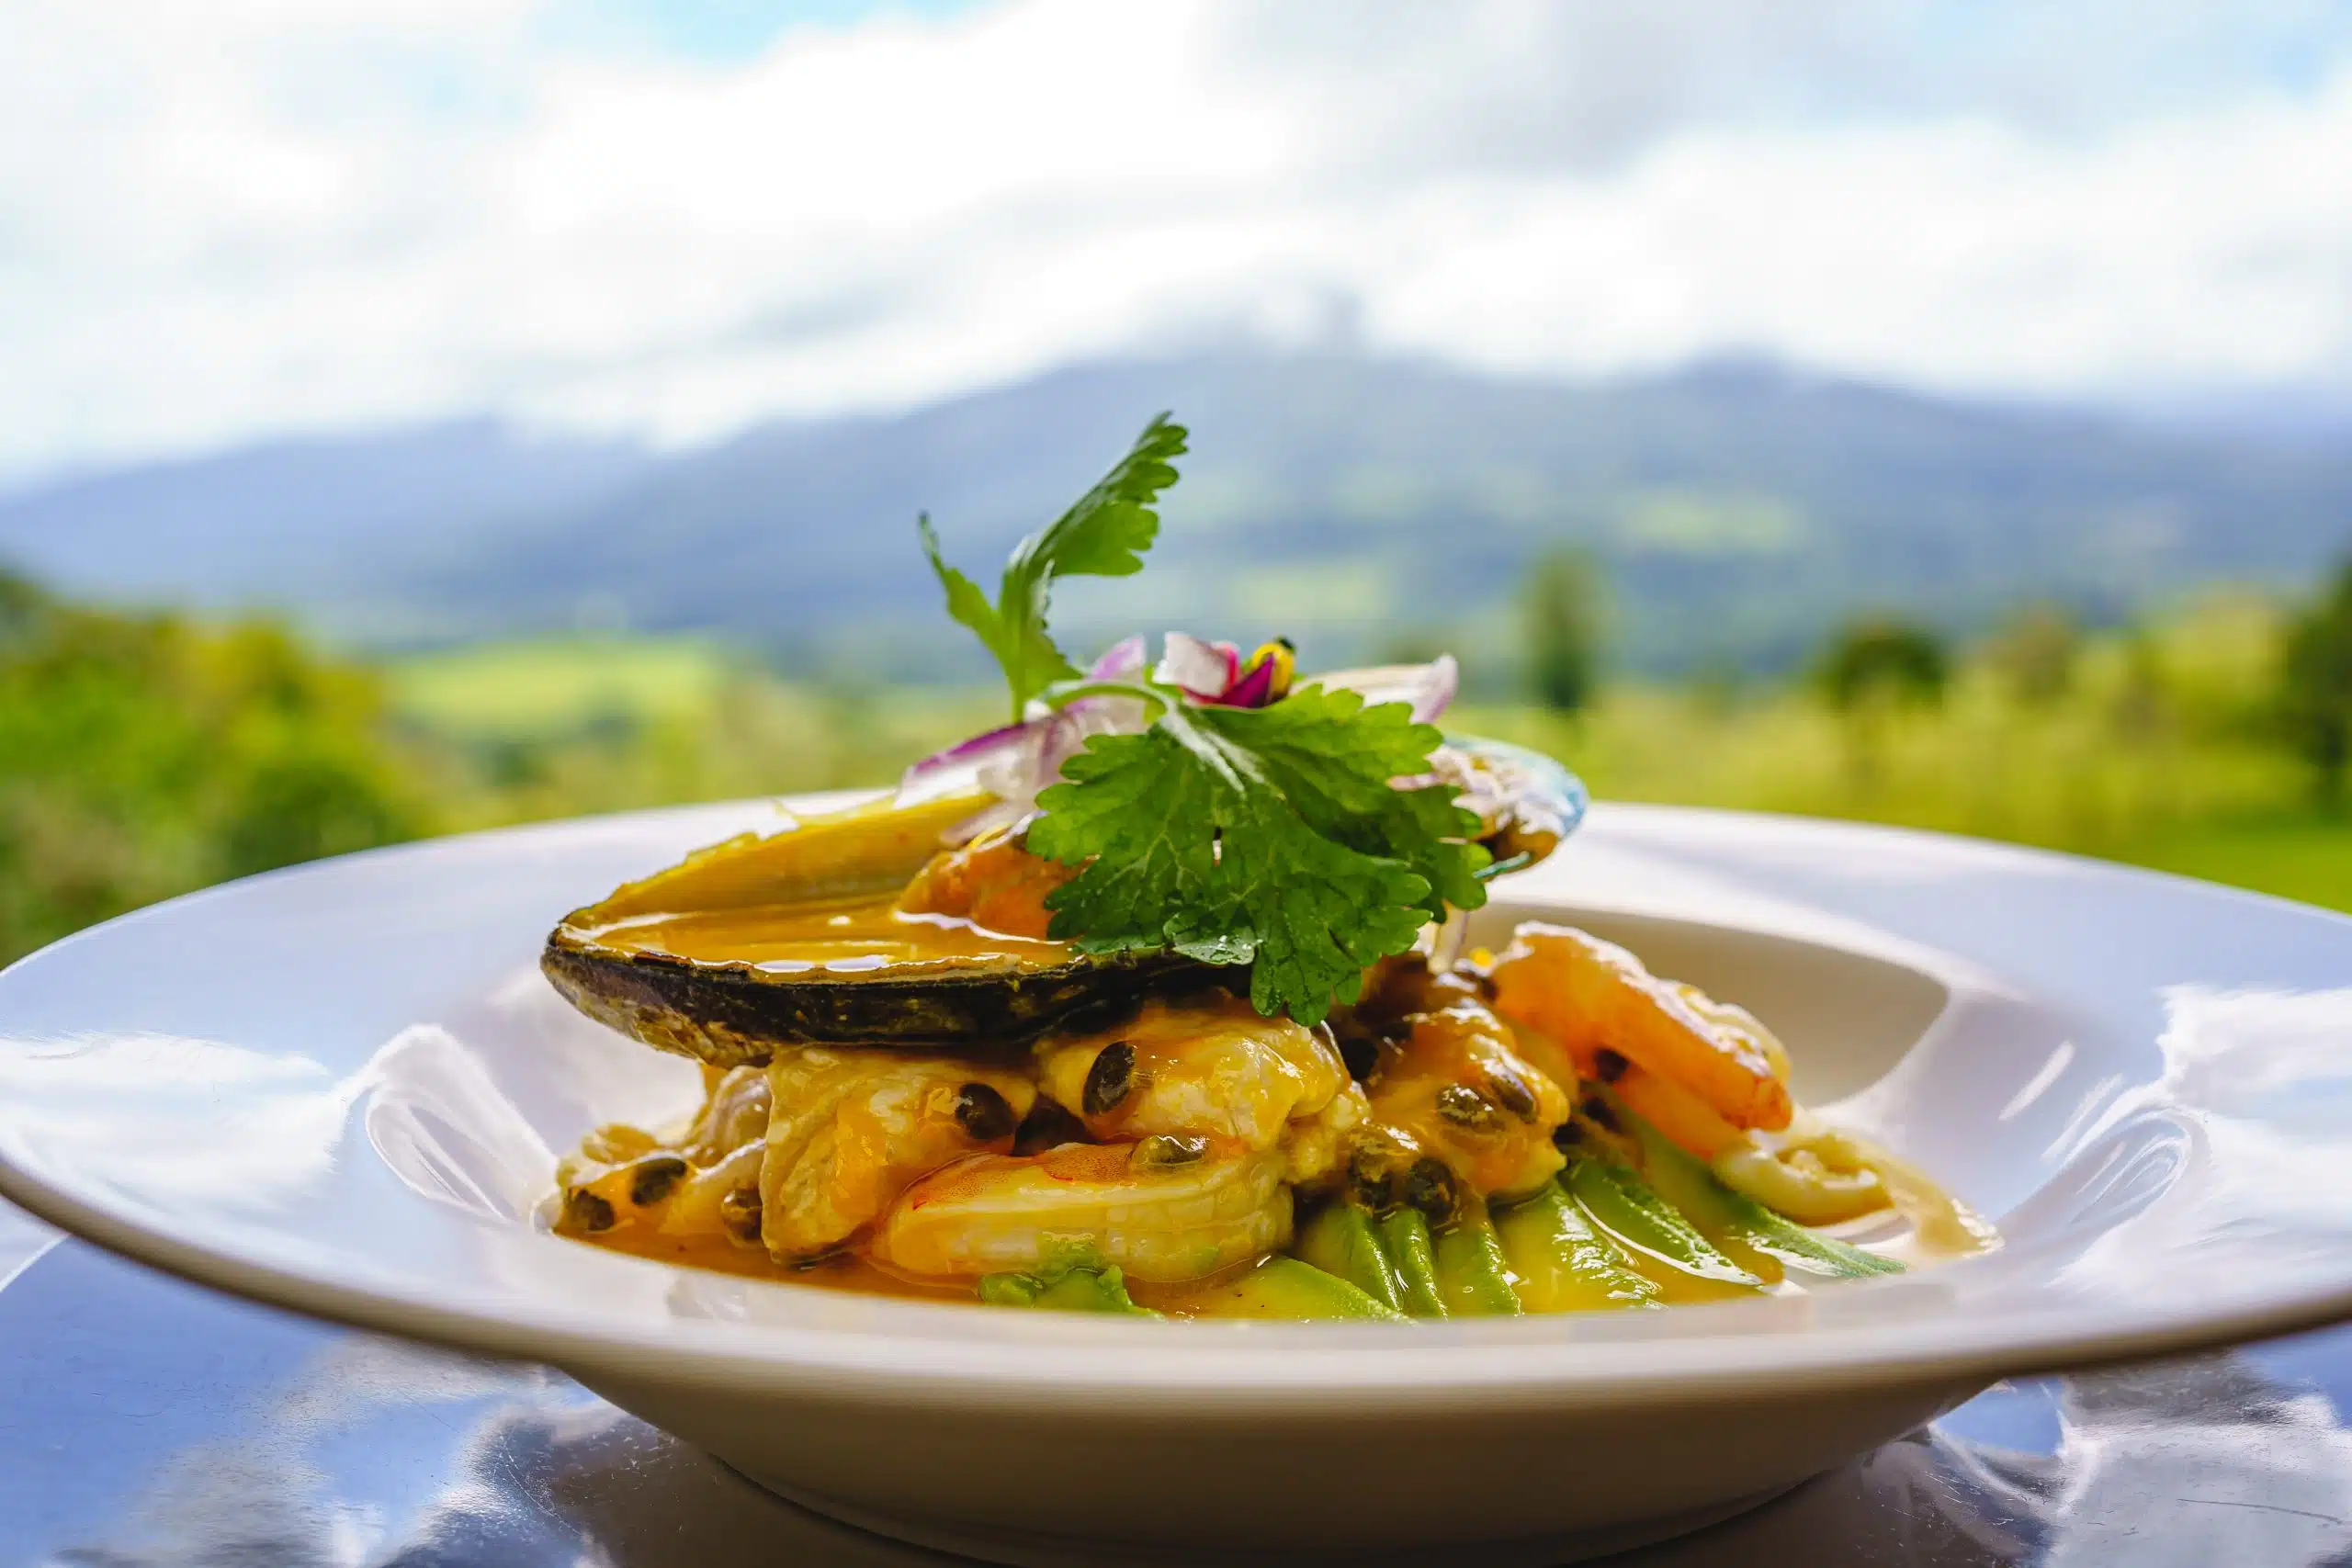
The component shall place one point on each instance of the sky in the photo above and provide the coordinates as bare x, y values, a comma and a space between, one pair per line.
670, 219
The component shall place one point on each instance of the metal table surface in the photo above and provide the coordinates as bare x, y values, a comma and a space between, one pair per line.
149, 1423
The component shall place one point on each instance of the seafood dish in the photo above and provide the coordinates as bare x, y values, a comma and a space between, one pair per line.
1157, 999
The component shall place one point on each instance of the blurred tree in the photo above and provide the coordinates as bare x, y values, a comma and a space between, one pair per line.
314, 796
141, 756
1869, 670
2036, 653
1563, 604
2315, 686
1883, 662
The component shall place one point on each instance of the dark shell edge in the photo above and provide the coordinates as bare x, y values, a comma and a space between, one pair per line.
731, 1018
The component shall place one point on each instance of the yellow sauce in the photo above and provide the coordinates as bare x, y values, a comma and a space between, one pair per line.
718, 1254
846, 939
860, 1276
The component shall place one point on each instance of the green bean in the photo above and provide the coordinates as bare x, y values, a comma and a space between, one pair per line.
1341, 1239
1766, 1242
1283, 1287
1405, 1236
1473, 1278
1655, 1240
1563, 1263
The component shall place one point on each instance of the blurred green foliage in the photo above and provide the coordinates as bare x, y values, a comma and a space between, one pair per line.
2162, 750
1880, 660
2315, 687
1562, 602
142, 755
2036, 652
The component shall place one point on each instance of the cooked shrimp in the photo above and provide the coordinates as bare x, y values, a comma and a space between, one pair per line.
1215, 1069
1682, 1116
1450, 1082
1167, 1208
1738, 1022
851, 1129
1589, 994
1314, 1147
993, 882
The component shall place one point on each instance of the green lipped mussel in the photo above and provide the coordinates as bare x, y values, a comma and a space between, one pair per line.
795, 938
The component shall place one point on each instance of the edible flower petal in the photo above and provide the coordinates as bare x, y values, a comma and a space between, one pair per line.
1264, 679
1203, 669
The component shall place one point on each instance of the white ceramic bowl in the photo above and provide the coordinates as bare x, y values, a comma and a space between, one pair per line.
340, 1088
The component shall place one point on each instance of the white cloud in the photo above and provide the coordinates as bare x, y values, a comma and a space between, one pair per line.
225, 220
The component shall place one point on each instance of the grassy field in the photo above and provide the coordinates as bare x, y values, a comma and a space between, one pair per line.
2152, 749
545, 690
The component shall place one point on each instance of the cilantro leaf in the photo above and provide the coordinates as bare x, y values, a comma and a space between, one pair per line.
965, 600
1271, 837
1104, 534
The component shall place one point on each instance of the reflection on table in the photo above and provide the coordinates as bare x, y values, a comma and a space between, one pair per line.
146, 1423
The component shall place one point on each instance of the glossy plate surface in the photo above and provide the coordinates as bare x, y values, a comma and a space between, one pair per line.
340, 1088
156, 1424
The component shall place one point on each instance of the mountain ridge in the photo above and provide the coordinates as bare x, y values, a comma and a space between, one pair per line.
1738, 508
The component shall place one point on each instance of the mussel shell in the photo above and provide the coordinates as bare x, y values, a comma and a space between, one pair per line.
738, 1014
731, 1014
735, 1018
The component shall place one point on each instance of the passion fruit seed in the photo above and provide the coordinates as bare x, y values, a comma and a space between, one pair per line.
1467, 1108
1049, 1125
1371, 1180
740, 1212
1597, 1110
1109, 1079
1357, 1049
1512, 1092
651, 1180
1165, 1149
1429, 1187
585, 1210
1607, 1065
985, 1114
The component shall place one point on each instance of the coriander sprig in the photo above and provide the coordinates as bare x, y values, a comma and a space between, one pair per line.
1274, 837
1105, 534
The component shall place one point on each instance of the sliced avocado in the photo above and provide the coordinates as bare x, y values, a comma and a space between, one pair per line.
1077, 1280
1766, 1242
1283, 1287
